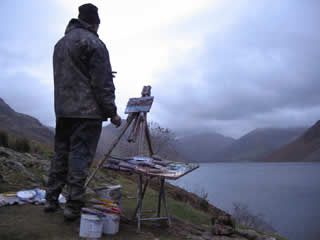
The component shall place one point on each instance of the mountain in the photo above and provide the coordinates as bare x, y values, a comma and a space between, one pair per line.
209, 147
108, 133
304, 148
258, 144
23, 125
202, 147
163, 142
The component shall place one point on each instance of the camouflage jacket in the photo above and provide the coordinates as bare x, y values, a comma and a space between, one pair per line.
83, 80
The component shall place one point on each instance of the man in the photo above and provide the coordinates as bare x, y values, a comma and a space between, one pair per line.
84, 97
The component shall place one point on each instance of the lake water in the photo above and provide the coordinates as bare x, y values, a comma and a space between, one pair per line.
286, 194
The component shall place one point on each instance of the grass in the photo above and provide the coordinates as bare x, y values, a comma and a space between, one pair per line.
186, 213
19, 142
44, 150
29, 221
180, 210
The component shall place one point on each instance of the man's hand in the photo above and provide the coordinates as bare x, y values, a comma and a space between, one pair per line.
116, 120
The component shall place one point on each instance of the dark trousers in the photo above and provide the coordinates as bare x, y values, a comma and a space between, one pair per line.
76, 142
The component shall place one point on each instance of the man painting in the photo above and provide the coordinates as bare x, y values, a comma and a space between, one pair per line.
84, 97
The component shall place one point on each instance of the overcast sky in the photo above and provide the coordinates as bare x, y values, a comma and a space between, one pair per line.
215, 65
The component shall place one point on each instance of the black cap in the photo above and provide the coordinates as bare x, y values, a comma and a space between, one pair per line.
89, 13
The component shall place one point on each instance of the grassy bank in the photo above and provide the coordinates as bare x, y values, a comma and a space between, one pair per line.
191, 218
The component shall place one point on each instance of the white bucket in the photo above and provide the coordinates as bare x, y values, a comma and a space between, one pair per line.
90, 226
111, 223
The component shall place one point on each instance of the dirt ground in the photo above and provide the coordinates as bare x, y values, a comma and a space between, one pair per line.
30, 222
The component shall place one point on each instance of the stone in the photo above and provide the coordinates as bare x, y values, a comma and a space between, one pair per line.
223, 225
252, 235
16, 167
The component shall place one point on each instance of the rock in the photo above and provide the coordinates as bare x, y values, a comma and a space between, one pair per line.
44, 179
193, 237
2, 179
148, 235
194, 232
207, 235
22, 168
12, 165
4, 154
227, 238
222, 230
252, 235
223, 225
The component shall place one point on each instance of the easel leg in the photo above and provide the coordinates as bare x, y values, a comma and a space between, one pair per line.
148, 137
165, 201
112, 146
160, 198
141, 136
139, 203
142, 196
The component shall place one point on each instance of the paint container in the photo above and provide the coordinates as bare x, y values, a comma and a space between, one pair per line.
91, 226
111, 223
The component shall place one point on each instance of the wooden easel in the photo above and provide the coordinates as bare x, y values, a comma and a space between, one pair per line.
137, 108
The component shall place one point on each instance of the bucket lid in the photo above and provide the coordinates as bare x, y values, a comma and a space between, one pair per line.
90, 217
109, 187
26, 194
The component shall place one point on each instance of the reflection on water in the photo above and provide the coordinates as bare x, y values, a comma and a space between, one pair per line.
287, 194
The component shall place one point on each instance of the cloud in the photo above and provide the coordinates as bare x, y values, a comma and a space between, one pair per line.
226, 66
27, 94
262, 65
132, 32
28, 34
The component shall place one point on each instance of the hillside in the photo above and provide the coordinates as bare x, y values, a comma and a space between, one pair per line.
191, 215
202, 147
23, 125
304, 148
108, 133
209, 147
258, 144
163, 141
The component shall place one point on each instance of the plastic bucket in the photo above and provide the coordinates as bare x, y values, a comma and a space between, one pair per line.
90, 226
111, 223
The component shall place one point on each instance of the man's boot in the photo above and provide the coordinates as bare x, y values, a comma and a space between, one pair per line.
71, 214
51, 206
72, 210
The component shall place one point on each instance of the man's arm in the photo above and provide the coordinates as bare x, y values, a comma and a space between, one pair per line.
102, 83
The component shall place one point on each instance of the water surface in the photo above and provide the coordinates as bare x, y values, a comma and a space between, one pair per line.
287, 194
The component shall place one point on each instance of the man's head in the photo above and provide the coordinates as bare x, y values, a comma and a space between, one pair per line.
89, 14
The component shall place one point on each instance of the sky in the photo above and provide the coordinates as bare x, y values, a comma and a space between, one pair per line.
214, 65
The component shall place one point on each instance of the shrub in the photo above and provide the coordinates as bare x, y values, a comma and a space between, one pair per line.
204, 204
22, 144
203, 197
243, 216
4, 139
